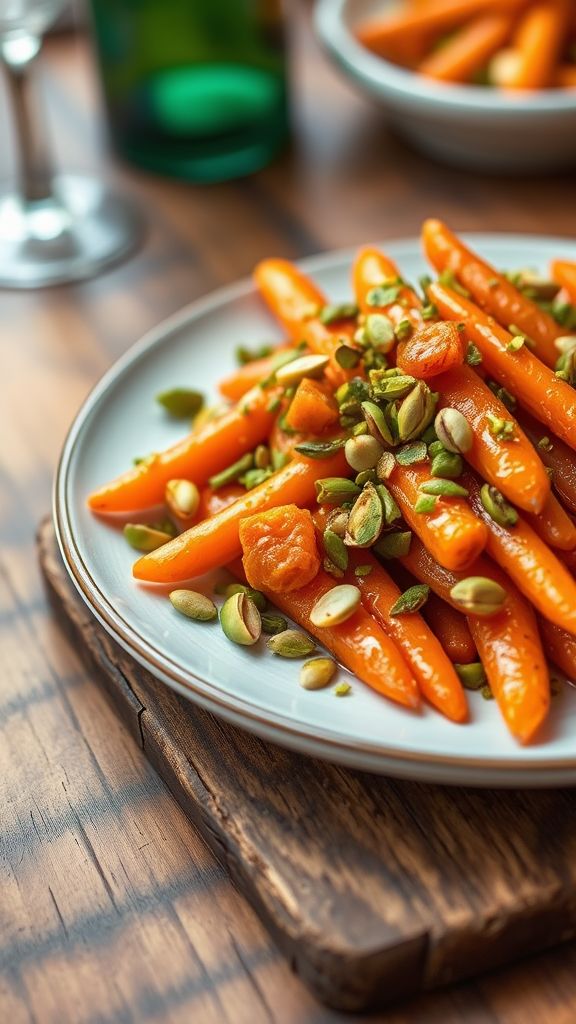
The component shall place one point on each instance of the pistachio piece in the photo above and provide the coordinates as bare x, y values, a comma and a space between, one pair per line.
384, 294
182, 498
181, 403
502, 429
497, 507
232, 472
306, 366
385, 466
472, 676
262, 456
335, 548
320, 449
362, 452
382, 385
444, 489
411, 453
145, 538
240, 620
347, 357
332, 569
394, 545
366, 520
335, 490
376, 423
337, 311
254, 477
337, 522
403, 329
363, 570
566, 344
379, 331
473, 355
389, 506
454, 431
535, 287
416, 411
317, 673
240, 588
273, 624
479, 595
291, 643
447, 465
426, 503
369, 476
411, 600
342, 690
193, 605
335, 606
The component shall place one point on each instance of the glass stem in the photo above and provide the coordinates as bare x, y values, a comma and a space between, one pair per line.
18, 53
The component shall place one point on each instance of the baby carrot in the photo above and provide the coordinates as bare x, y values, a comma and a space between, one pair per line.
421, 649
516, 470
297, 302
246, 377
564, 272
560, 647
565, 76
451, 531
548, 397
554, 525
469, 49
197, 457
359, 643
537, 43
450, 629
556, 455
491, 290
216, 541
529, 562
508, 643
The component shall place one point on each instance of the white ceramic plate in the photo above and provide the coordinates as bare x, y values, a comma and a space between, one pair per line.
253, 689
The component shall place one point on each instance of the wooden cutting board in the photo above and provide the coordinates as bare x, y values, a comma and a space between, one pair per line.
375, 889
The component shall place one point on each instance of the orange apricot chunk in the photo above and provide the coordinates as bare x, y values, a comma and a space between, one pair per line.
279, 549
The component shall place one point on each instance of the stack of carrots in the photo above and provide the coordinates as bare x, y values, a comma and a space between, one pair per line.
512, 44
398, 477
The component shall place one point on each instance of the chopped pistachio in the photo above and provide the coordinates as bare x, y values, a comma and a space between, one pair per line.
500, 428
379, 331
245, 355
298, 369
384, 294
363, 570
545, 444
497, 507
376, 423
145, 538
394, 545
279, 459
182, 403
444, 488
472, 676
317, 673
389, 506
383, 385
411, 453
193, 605
335, 549
411, 600
486, 692
342, 690
429, 311
335, 490
254, 477
335, 606
479, 595
473, 355
273, 624
338, 311
274, 404
291, 643
347, 357
320, 449
447, 465
516, 343
425, 503
403, 329
240, 620
366, 520
332, 569
449, 280
368, 476
232, 473
385, 466
337, 521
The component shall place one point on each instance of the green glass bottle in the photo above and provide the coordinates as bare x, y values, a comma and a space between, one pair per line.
194, 88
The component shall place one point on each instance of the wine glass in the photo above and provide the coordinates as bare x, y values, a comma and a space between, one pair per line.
53, 228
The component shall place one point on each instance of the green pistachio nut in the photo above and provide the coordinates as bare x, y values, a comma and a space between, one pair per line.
194, 605
366, 519
145, 538
317, 673
376, 423
416, 412
362, 452
240, 620
291, 643
335, 606
454, 431
479, 595
497, 507
335, 490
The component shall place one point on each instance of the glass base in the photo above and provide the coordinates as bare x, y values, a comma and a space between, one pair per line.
74, 234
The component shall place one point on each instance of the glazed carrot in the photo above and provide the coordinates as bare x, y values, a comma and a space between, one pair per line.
529, 563
216, 541
197, 457
450, 629
490, 289
469, 49
564, 272
560, 647
431, 350
565, 76
212, 501
508, 643
517, 469
296, 301
537, 42
451, 532
246, 377
359, 643
550, 399
556, 455
421, 649
554, 525
383, 33
313, 409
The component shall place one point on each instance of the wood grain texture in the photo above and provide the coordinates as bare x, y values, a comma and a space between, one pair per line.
373, 888
111, 908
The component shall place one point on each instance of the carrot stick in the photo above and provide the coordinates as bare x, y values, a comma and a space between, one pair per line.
421, 649
564, 272
560, 647
537, 43
383, 34
516, 470
246, 377
508, 643
469, 49
215, 541
490, 289
550, 399
359, 643
451, 532
197, 457
556, 455
530, 563
565, 76
295, 301
554, 525
451, 630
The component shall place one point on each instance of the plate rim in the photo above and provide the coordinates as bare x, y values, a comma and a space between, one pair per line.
272, 725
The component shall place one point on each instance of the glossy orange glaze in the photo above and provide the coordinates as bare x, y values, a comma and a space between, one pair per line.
554, 525
559, 458
246, 377
451, 630
560, 647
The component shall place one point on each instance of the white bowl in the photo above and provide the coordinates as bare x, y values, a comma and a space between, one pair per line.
468, 125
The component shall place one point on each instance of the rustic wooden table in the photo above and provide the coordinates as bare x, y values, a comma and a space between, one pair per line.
111, 908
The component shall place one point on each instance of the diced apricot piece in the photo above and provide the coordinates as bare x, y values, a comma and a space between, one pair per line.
431, 350
279, 549
313, 408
